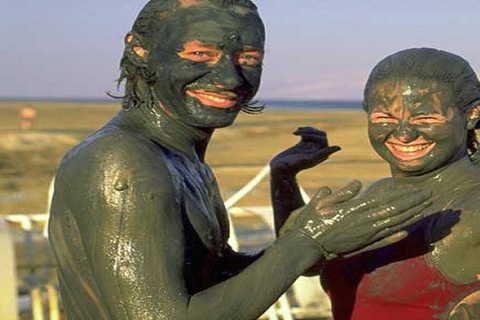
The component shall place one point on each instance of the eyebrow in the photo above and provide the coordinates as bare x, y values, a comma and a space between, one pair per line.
383, 99
251, 48
200, 44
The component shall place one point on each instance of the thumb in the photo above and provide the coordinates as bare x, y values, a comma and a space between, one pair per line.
322, 192
345, 193
320, 195
333, 149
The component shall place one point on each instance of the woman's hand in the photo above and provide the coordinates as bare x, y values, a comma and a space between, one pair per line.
312, 149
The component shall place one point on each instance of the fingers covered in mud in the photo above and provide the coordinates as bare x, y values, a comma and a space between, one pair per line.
341, 195
311, 150
399, 202
340, 224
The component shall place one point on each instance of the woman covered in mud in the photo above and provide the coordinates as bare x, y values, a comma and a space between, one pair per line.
423, 106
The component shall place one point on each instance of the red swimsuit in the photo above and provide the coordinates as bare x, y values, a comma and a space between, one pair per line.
396, 282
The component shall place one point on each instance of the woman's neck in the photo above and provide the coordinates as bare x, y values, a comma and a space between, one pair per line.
443, 179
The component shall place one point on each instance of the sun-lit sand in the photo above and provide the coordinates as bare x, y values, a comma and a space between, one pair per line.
29, 158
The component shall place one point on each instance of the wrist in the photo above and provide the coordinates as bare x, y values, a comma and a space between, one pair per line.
304, 245
282, 172
283, 177
325, 254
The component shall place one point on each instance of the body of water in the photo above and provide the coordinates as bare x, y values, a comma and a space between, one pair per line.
269, 103
313, 104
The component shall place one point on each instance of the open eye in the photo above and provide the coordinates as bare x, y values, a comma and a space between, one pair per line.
197, 51
381, 117
251, 58
199, 56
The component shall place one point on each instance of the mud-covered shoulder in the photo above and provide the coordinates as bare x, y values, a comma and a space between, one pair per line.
470, 215
113, 158
111, 149
115, 174
457, 255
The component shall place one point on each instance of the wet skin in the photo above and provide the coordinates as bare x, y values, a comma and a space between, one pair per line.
414, 127
138, 226
204, 78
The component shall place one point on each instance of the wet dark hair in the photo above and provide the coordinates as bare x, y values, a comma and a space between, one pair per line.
432, 65
147, 23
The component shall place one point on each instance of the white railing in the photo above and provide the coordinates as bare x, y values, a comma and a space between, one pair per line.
312, 302
42, 300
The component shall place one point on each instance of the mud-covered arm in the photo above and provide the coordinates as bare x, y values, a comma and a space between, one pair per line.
235, 262
130, 222
311, 150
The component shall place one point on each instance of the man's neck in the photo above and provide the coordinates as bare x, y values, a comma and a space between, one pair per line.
160, 127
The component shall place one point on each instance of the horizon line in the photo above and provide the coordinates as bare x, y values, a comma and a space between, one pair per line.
113, 100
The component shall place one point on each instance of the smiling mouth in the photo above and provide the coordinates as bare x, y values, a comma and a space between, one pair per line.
223, 100
409, 152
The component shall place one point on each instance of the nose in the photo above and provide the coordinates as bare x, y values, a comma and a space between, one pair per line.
227, 74
405, 132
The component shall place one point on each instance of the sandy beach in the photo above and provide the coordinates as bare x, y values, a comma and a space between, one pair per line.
28, 158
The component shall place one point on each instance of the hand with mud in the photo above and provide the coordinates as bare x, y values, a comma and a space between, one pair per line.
340, 225
466, 312
312, 149
467, 308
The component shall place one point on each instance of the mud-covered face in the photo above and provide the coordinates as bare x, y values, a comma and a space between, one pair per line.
414, 127
208, 62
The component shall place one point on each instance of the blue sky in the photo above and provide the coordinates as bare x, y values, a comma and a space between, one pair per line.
316, 49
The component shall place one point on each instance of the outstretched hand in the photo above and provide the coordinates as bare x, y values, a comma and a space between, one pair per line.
339, 224
312, 149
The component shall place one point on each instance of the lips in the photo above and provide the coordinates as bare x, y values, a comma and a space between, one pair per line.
222, 100
410, 151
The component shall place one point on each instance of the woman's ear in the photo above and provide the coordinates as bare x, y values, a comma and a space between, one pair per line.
473, 116
134, 50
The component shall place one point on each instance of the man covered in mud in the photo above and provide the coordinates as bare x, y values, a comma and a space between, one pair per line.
138, 226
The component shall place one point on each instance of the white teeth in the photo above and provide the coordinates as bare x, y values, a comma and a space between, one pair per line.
215, 99
410, 148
